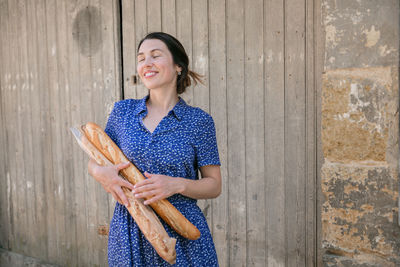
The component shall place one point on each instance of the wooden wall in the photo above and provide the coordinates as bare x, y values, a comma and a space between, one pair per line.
258, 58
60, 66
258, 61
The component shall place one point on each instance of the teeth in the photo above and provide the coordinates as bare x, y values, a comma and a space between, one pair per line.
149, 74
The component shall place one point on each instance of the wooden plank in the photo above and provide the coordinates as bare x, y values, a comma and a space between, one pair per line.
274, 133
90, 106
40, 205
53, 87
64, 122
128, 48
140, 31
311, 145
201, 93
6, 218
77, 116
25, 130
319, 47
45, 123
112, 87
184, 35
17, 143
218, 107
109, 90
168, 16
254, 133
153, 15
89, 15
295, 131
236, 133
4, 225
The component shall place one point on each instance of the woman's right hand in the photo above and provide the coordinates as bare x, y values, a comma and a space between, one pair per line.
108, 177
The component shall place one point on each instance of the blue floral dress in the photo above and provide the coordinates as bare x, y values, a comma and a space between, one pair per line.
183, 141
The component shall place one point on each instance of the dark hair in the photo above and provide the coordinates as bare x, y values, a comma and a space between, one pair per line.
179, 57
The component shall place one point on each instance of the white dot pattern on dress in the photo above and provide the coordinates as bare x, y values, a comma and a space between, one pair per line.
183, 141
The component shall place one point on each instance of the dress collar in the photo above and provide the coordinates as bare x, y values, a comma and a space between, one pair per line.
178, 110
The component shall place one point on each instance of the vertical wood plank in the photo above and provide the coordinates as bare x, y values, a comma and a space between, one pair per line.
56, 184
275, 132
45, 126
154, 15
129, 47
295, 137
95, 103
254, 133
168, 15
184, 35
108, 78
64, 122
311, 145
6, 214
236, 133
77, 116
4, 225
319, 45
10, 121
200, 65
21, 216
74, 184
218, 107
40, 223
25, 127
141, 31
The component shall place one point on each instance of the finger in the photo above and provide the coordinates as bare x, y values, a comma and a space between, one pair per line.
148, 175
153, 199
126, 184
143, 188
142, 183
146, 194
122, 165
122, 196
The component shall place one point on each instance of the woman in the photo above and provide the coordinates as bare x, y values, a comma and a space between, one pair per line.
169, 141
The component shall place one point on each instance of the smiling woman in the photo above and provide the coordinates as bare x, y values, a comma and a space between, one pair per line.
169, 141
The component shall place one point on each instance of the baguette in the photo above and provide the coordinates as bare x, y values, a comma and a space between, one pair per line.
163, 208
143, 215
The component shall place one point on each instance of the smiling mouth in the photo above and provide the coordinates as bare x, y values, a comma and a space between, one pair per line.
150, 74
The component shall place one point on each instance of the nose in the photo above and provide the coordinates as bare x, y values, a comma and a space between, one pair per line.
148, 61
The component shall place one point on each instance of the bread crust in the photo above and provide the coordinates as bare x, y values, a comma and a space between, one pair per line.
163, 208
143, 215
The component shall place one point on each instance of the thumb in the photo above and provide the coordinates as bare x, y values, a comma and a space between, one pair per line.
122, 165
148, 175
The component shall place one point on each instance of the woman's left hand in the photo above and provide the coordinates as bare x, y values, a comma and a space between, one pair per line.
156, 187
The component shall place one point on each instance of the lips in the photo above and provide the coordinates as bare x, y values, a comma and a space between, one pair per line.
149, 74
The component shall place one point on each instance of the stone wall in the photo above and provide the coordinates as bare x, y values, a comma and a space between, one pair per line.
359, 175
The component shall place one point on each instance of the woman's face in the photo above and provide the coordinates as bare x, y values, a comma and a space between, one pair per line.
156, 67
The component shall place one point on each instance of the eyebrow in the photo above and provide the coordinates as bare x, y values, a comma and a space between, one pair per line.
141, 53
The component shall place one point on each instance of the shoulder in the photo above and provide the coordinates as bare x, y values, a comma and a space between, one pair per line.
199, 117
126, 103
122, 106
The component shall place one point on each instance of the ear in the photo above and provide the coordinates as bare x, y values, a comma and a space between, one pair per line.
178, 68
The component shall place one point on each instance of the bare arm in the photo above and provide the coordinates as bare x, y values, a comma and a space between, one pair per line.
162, 186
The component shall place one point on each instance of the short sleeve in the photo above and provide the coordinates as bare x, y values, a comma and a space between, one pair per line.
206, 148
112, 122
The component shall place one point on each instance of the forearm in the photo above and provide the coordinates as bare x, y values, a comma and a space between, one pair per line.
204, 188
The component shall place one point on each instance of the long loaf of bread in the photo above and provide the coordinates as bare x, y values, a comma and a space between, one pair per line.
143, 215
163, 208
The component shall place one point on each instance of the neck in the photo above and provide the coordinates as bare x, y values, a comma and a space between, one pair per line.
162, 100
